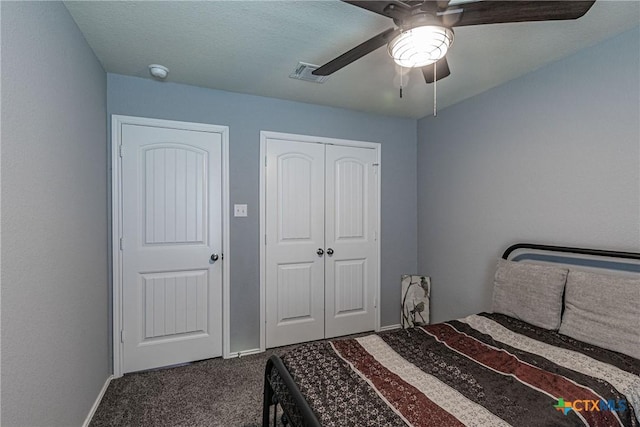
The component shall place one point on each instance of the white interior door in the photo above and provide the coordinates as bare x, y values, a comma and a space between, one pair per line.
350, 239
171, 227
294, 271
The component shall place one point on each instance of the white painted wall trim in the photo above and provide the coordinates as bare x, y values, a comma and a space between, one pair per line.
264, 135
92, 412
226, 248
117, 121
389, 327
244, 353
262, 191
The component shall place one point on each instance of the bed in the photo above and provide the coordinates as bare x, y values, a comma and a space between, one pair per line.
561, 347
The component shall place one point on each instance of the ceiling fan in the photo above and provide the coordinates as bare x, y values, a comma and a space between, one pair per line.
424, 30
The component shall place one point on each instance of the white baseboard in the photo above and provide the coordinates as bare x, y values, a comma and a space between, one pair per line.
390, 327
244, 353
87, 421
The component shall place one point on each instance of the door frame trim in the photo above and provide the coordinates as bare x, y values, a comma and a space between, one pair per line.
117, 121
264, 135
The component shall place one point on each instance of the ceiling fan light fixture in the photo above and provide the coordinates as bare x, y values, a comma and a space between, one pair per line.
421, 46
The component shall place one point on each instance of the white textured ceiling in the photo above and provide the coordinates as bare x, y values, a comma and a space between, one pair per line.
253, 46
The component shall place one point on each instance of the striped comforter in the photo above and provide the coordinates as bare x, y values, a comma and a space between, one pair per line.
483, 370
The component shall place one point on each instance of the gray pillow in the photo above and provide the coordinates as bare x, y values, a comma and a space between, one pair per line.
529, 292
603, 310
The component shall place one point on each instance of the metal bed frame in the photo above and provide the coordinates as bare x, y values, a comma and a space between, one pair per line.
305, 413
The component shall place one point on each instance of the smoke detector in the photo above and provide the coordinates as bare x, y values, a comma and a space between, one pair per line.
303, 72
158, 71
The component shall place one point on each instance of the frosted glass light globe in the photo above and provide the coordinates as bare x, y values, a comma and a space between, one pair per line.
420, 46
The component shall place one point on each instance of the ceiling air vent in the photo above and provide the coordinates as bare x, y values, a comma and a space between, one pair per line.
303, 72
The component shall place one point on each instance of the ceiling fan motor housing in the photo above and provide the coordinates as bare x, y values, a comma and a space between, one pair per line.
418, 19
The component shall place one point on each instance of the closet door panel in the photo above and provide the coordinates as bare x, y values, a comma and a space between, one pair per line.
295, 232
351, 222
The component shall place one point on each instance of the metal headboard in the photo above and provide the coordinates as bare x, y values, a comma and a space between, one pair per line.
566, 249
619, 261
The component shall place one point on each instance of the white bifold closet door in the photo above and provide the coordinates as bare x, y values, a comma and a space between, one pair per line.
321, 221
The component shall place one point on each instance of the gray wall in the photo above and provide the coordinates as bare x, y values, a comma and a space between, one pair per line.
551, 157
55, 355
246, 116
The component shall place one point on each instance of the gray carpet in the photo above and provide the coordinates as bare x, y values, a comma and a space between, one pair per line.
212, 392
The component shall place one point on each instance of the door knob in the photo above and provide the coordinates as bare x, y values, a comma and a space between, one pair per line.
329, 251
214, 257
320, 252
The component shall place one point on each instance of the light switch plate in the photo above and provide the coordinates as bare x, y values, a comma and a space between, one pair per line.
239, 210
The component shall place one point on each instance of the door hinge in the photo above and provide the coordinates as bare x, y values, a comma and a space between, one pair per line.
375, 168
122, 336
265, 161
375, 236
121, 243
120, 150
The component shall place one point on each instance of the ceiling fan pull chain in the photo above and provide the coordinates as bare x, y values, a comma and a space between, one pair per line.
401, 82
435, 91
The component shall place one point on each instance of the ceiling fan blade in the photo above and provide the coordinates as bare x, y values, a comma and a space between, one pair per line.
390, 9
496, 12
442, 70
356, 53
